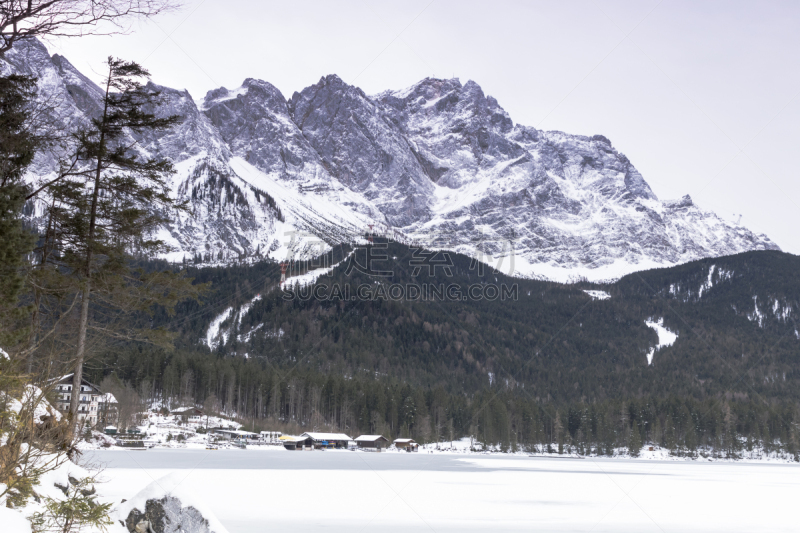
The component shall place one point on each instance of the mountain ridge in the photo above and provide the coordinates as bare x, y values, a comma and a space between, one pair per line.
439, 163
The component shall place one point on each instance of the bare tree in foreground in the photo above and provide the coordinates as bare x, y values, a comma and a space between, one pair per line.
71, 18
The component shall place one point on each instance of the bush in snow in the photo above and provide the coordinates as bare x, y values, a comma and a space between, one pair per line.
73, 513
34, 438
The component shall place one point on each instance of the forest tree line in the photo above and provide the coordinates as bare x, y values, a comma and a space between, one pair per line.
299, 398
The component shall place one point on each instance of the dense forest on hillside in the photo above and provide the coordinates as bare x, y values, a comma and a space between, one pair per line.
542, 365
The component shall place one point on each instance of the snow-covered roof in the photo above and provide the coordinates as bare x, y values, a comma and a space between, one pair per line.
69, 376
370, 438
107, 398
403, 441
327, 436
182, 410
292, 438
233, 431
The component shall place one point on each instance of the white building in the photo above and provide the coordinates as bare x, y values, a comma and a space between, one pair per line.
271, 436
93, 406
191, 415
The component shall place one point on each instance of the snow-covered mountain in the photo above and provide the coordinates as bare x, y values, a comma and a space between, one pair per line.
440, 163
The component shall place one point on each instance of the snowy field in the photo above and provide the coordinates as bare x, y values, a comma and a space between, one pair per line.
339, 491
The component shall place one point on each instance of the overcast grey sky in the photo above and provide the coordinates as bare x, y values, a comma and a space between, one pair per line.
701, 96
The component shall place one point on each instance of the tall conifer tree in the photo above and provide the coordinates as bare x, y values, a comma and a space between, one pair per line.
17, 148
107, 210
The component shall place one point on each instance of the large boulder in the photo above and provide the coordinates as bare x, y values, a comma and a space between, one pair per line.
167, 506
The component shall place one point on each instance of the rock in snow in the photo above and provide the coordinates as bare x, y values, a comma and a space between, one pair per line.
168, 507
439, 162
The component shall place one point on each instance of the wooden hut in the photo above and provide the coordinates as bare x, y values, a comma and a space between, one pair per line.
372, 442
291, 442
406, 444
188, 414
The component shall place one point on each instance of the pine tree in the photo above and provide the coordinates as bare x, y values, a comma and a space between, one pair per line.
558, 429
635, 441
670, 440
690, 437
107, 207
731, 440
17, 149
79, 510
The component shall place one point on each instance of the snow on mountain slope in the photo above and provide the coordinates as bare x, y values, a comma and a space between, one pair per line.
597, 295
665, 337
439, 161
314, 220
564, 206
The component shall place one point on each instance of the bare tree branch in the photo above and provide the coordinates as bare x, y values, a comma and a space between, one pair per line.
71, 18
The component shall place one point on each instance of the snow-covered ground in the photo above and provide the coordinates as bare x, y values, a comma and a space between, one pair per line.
167, 431
342, 491
598, 295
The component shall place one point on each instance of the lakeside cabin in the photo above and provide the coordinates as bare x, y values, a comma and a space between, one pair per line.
406, 444
316, 441
188, 414
327, 440
372, 442
292, 442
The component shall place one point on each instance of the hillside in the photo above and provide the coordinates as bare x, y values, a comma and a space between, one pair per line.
556, 357
733, 316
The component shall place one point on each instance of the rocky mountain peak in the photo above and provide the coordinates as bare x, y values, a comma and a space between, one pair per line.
362, 149
268, 93
684, 202
193, 136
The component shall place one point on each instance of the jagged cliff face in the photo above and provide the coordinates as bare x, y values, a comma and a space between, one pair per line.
362, 149
439, 162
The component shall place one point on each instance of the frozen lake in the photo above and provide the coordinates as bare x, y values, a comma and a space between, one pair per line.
255, 491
